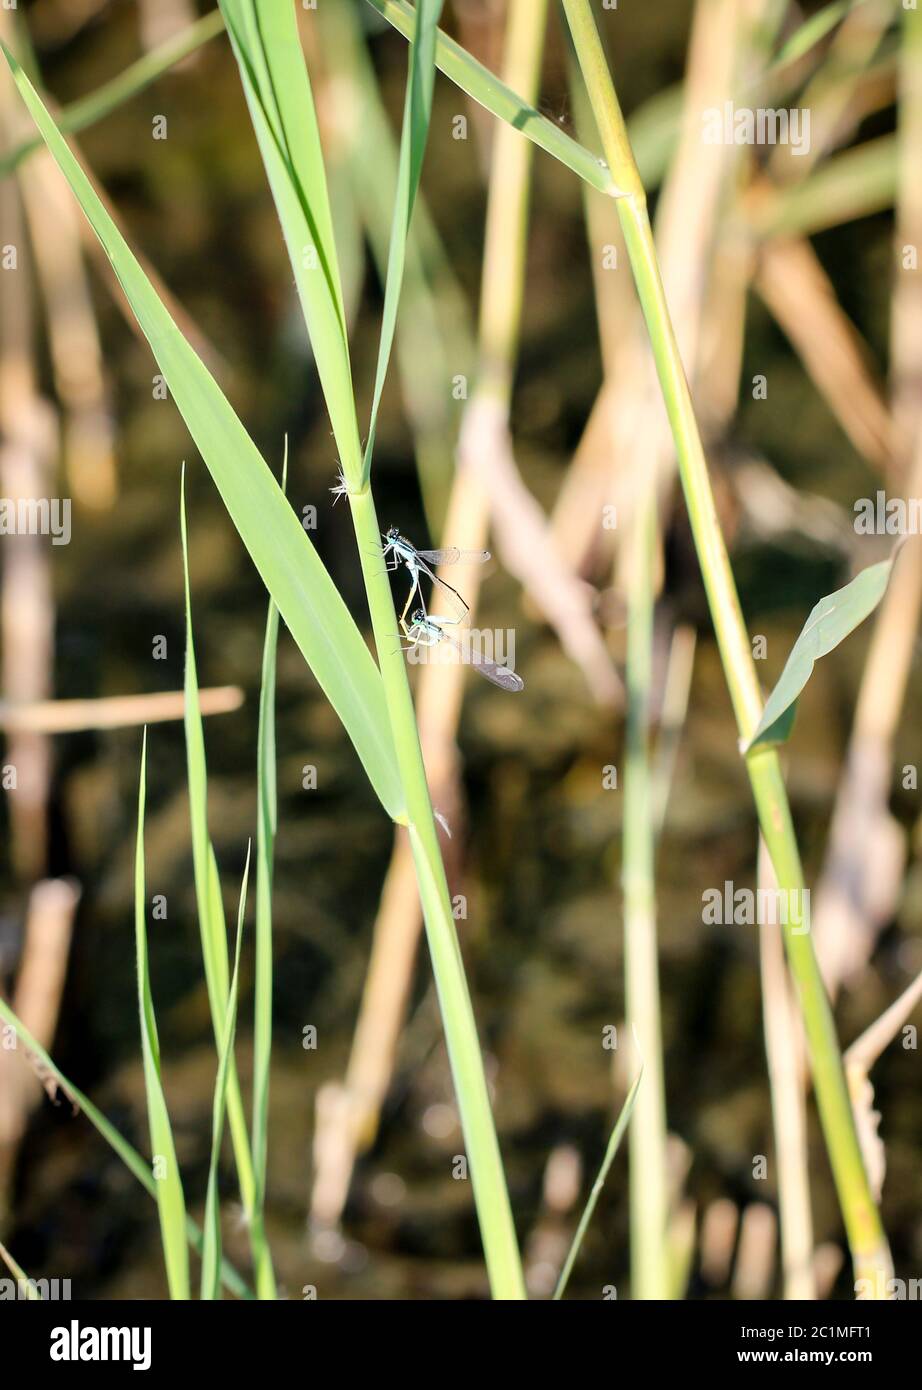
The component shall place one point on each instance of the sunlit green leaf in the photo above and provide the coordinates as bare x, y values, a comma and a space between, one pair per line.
830, 622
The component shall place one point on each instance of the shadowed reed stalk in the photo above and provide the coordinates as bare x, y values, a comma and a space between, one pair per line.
649, 1189
866, 1238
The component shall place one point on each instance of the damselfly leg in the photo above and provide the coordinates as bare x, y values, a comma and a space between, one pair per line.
421, 563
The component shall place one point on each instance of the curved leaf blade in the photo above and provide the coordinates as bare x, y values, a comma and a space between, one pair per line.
830, 622
288, 564
264, 37
486, 88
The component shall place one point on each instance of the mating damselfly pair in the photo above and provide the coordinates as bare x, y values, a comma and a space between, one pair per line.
427, 629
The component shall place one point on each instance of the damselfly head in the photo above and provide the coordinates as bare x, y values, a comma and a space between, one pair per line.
392, 534
419, 615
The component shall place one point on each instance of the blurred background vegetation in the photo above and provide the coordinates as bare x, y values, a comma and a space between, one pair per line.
537, 848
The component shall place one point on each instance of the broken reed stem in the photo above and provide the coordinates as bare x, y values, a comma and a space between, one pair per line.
870, 1253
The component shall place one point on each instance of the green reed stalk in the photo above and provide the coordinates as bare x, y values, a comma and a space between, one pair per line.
486, 1168
866, 1237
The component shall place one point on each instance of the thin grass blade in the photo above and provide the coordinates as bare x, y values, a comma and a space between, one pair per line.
211, 1249
266, 824
210, 906
813, 30
614, 1143
171, 1203
417, 112
486, 89
210, 910
132, 1160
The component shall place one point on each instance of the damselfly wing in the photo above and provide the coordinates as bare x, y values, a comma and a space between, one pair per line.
425, 631
398, 550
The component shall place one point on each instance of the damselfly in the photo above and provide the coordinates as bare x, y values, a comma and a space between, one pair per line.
399, 551
425, 630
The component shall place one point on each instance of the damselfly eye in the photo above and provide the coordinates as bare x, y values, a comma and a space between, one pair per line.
392, 533
419, 616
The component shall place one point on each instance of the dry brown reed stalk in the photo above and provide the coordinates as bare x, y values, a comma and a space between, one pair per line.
831, 96
594, 478
27, 447
859, 1059
643, 457
36, 1000
828, 1260
159, 20
789, 276
754, 1271
719, 1229
549, 1241
723, 326
683, 1212
190, 329
526, 545
73, 339
692, 195
672, 714
590, 484
906, 306
866, 1049
113, 711
801, 298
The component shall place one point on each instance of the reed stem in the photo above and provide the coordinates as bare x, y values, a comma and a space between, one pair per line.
486, 1169
870, 1253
